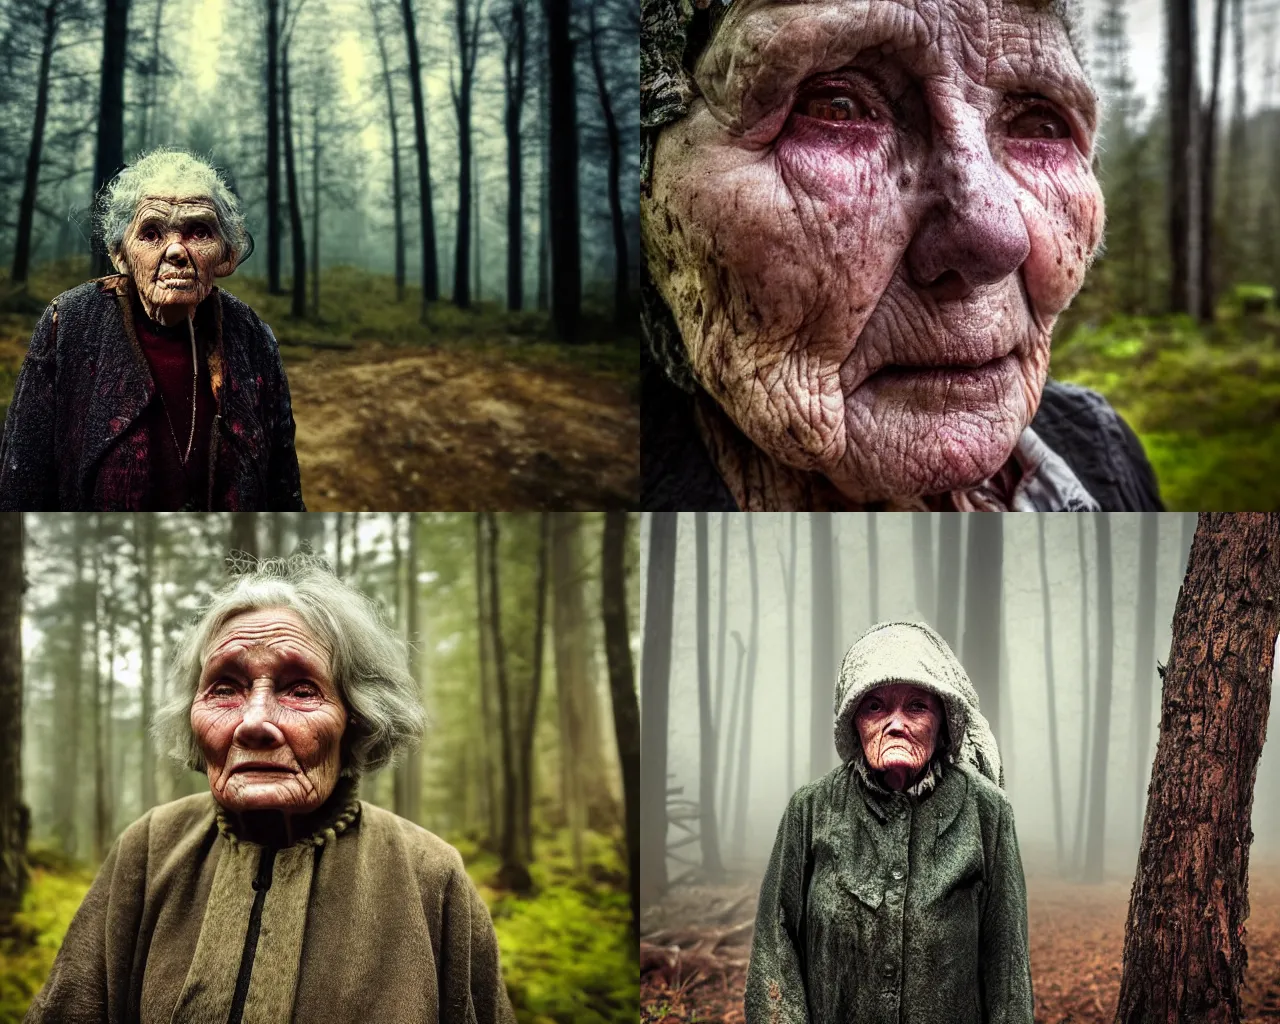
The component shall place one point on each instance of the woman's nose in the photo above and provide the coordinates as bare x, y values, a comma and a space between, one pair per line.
973, 233
258, 728
175, 253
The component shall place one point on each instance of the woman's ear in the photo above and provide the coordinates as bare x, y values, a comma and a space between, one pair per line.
228, 266
118, 261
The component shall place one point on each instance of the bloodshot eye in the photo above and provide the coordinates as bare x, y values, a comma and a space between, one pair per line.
834, 101
1039, 121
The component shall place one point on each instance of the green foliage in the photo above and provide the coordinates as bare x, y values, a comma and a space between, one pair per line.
26, 956
1204, 401
566, 952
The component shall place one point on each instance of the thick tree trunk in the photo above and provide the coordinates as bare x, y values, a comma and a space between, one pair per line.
655, 672
110, 154
950, 537
789, 580
984, 576
273, 147
566, 260
468, 37
244, 532
1055, 765
748, 720
613, 140
1184, 185
535, 692
622, 689
1144, 672
153, 79
145, 548
430, 269
1184, 954
1208, 171
413, 756
708, 832
31, 181
68, 693
1189, 521
922, 565
14, 815
513, 74
396, 185
485, 635
1077, 851
1094, 848
298, 306
822, 679
315, 209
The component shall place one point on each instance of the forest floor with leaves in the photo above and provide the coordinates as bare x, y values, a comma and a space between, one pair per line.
475, 409
565, 948
696, 972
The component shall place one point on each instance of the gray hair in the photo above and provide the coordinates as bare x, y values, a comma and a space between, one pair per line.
369, 660
167, 171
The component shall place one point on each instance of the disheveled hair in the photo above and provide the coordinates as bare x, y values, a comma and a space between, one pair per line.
168, 171
369, 660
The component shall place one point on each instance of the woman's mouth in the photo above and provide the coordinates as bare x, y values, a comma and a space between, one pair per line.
943, 387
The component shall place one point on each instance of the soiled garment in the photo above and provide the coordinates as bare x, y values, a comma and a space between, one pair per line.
888, 908
367, 918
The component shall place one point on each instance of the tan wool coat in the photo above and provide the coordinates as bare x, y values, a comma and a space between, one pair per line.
368, 919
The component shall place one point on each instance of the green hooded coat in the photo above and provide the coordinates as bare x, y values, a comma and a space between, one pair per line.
896, 908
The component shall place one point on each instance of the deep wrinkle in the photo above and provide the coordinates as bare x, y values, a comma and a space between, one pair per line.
930, 237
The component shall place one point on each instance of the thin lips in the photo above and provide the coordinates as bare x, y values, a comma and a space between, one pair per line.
261, 766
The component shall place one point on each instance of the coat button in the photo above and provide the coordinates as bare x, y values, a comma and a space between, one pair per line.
897, 874
888, 970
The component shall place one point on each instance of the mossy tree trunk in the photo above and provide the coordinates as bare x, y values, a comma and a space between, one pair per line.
1184, 953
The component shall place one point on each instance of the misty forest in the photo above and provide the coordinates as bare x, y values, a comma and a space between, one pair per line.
1177, 322
442, 196
1066, 626
520, 641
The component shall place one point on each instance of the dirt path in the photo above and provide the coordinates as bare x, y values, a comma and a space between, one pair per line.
411, 430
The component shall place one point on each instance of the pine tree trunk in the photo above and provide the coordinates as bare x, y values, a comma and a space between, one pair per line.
1095, 845
244, 532
430, 270
110, 153
273, 147
1184, 185
485, 636
1077, 852
655, 673
396, 185
790, 583
1054, 756
984, 576
315, 209
613, 141
466, 38
413, 756
1208, 171
298, 306
99, 760
14, 816
31, 181
622, 689
513, 68
145, 547
708, 833
732, 740
748, 720
822, 678
566, 260
69, 691
1144, 672
873, 567
1184, 955
950, 537
535, 691
922, 564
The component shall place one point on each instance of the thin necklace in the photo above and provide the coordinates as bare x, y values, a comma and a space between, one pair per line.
195, 371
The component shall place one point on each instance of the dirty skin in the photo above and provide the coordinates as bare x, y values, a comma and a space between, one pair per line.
866, 228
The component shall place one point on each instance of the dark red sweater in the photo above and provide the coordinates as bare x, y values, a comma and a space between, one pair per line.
168, 353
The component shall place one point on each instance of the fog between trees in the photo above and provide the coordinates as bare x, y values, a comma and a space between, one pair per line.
882, 582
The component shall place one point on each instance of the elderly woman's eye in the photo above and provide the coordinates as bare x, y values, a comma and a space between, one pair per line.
306, 690
1040, 121
222, 688
201, 232
149, 235
834, 102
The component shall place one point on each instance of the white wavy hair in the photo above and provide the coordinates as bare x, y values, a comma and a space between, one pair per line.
168, 171
369, 660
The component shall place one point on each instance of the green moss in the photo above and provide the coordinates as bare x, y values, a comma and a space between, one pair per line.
27, 955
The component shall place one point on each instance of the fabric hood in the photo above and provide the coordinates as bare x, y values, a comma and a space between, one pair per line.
911, 652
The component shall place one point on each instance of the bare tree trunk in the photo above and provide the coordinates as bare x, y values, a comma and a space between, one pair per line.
622, 689
396, 187
315, 207
822, 678
753, 650
413, 757
298, 307
613, 139
99, 761
544, 177
277, 534
732, 739
69, 691
244, 532
110, 154
566, 260
984, 577
153, 78
430, 270
950, 537
273, 147
708, 832
1208, 171
1054, 756
1184, 185
467, 32
15, 818
789, 582
717, 707
1144, 654
655, 671
1184, 953
145, 549
922, 564
1077, 852
31, 181
535, 690
1094, 848
873, 567
513, 76
485, 633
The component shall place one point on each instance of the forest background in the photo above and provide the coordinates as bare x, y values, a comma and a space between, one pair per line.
444, 200
507, 620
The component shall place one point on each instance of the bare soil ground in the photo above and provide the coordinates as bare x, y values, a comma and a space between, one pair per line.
698, 940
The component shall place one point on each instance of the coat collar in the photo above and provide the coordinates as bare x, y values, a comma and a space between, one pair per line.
335, 816
942, 801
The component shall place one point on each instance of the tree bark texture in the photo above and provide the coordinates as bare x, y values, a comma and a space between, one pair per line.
467, 30
31, 180
514, 80
1095, 843
535, 691
430, 269
110, 153
984, 575
566, 258
708, 833
613, 140
1144, 654
14, 815
244, 532
655, 674
1055, 760
298, 305
1208, 170
1184, 956
1184, 185
822, 680
273, 147
622, 688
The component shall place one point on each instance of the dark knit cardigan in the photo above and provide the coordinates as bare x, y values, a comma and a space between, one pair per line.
85, 380
676, 471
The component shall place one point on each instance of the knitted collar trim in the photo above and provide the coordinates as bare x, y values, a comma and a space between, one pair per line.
335, 816
927, 784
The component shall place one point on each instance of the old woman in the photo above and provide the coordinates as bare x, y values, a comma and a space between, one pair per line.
153, 389
861, 219
895, 891
278, 896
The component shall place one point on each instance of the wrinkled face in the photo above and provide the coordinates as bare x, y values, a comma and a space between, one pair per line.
268, 715
867, 225
898, 725
174, 250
